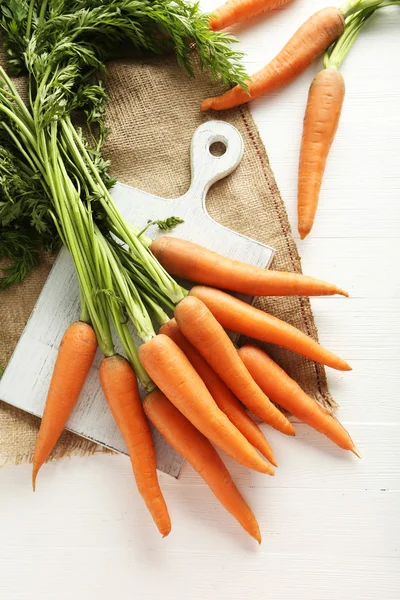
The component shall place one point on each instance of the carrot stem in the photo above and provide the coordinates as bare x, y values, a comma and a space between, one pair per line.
336, 54
354, 6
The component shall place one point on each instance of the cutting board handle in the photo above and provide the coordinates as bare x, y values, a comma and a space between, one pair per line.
207, 168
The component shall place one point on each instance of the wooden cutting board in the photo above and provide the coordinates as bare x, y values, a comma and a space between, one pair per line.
26, 379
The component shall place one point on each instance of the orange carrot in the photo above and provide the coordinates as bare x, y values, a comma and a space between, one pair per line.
312, 38
169, 368
324, 106
121, 390
243, 318
205, 333
237, 11
75, 356
287, 393
203, 457
222, 395
196, 263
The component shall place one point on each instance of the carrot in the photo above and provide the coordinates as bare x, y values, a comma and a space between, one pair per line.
312, 38
203, 457
196, 263
273, 380
121, 390
243, 318
75, 356
237, 11
222, 395
169, 368
200, 327
324, 106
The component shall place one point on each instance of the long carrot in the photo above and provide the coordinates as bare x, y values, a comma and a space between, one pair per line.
200, 327
242, 318
281, 388
75, 356
222, 395
196, 263
237, 11
203, 457
310, 40
324, 106
169, 368
121, 390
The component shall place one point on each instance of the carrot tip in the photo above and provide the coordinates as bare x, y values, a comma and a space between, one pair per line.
343, 293
206, 104
356, 451
34, 475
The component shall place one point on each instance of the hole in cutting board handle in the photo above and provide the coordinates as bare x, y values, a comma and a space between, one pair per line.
217, 149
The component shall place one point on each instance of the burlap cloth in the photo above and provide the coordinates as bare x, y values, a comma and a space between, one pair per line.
153, 113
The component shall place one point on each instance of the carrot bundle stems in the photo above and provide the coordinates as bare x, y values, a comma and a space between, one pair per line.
223, 396
200, 327
194, 446
196, 263
74, 359
240, 317
169, 368
281, 388
309, 41
120, 388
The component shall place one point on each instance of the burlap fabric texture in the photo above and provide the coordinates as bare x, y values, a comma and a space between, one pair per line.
152, 115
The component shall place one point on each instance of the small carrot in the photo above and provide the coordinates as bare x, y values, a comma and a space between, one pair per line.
324, 106
238, 316
199, 326
273, 380
196, 263
222, 395
203, 457
237, 11
120, 388
75, 356
169, 368
309, 41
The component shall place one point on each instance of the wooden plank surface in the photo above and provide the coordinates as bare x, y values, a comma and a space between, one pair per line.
330, 522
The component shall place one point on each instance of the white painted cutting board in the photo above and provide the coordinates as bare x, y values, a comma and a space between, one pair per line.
26, 379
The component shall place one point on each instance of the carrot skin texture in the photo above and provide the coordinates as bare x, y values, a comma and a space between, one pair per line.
222, 395
200, 327
240, 317
74, 359
196, 263
238, 11
203, 457
285, 391
172, 372
120, 388
309, 41
324, 107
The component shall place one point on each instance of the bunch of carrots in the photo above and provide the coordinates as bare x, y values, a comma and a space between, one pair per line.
331, 30
199, 384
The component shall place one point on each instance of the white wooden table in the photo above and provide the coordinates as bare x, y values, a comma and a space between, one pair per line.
330, 523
